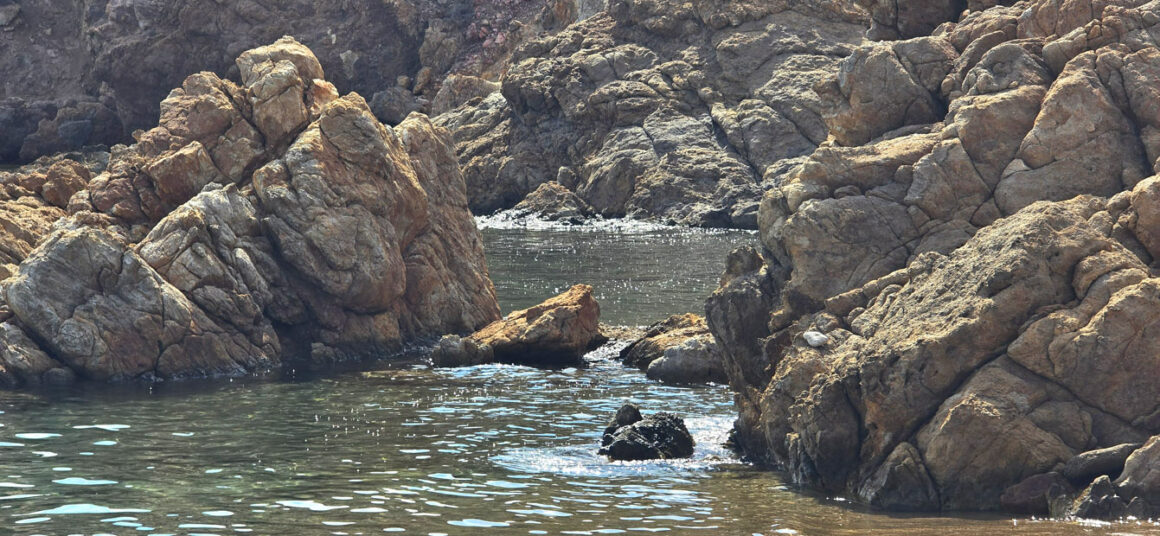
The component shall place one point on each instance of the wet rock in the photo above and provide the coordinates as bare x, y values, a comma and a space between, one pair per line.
1033, 496
677, 350
1098, 501
631, 437
1085, 467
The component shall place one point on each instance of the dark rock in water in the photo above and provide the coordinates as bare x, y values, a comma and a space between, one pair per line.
1099, 501
1033, 495
1084, 468
901, 484
1141, 480
632, 437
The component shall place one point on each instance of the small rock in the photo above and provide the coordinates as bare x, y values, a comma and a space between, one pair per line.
695, 360
632, 437
815, 338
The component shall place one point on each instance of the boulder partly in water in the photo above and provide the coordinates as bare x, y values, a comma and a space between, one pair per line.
633, 437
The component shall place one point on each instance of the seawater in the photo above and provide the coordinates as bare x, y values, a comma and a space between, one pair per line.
397, 447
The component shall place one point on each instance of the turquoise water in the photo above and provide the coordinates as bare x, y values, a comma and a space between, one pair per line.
402, 448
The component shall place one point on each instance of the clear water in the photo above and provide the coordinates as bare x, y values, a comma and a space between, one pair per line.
406, 449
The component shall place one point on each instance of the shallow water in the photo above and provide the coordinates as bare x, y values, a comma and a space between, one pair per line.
484, 450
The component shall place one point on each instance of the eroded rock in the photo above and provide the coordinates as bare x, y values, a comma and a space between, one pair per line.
982, 272
257, 224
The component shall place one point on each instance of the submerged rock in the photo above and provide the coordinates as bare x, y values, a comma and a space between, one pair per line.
557, 332
632, 437
256, 224
677, 350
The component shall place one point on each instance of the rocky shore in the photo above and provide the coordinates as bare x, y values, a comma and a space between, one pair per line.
954, 305
955, 298
257, 224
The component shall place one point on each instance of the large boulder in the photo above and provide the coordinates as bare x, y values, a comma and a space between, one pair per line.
678, 350
257, 224
557, 332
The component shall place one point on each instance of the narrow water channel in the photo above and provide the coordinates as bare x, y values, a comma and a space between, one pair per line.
407, 449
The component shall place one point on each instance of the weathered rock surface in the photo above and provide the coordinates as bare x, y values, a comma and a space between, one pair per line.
632, 437
653, 110
955, 295
679, 349
553, 202
557, 332
92, 71
257, 224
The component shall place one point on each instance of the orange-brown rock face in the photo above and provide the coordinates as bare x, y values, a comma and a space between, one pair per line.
557, 332
956, 296
256, 224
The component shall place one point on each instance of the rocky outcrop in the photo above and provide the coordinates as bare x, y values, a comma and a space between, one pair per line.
93, 71
955, 294
553, 202
632, 437
651, 110
557, 332
679, 350
257, 224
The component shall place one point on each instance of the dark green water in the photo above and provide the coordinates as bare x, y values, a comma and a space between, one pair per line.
406, 449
